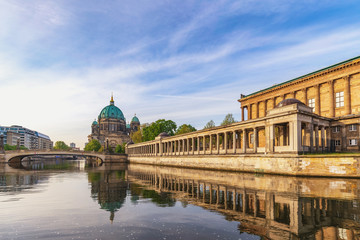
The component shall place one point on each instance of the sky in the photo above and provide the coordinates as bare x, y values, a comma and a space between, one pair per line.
186, 61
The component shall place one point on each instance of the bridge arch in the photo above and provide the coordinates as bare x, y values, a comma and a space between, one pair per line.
17, 156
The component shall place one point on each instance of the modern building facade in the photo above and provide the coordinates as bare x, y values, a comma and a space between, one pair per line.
111, 129
27, 138
332, 94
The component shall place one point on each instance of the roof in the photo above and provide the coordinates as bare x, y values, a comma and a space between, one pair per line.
135, 119
306, 75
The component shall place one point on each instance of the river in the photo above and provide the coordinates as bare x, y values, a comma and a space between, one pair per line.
66, 199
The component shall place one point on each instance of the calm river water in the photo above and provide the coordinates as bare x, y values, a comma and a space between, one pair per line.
63, 199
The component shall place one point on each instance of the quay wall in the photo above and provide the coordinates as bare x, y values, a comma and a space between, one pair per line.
294, 165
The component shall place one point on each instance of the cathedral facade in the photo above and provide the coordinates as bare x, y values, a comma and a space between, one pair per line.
111, 129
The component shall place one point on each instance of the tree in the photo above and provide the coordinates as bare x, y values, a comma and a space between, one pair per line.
185, 128
228, 119
210, 124
60, 145
8, 147
93, 145
155, 128
120, 149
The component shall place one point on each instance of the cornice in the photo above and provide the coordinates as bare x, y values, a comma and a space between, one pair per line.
317, 74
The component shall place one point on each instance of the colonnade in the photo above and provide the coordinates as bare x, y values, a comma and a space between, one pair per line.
219, 142
253, 109
289, 137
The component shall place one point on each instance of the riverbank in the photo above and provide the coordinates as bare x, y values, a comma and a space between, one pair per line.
316, 165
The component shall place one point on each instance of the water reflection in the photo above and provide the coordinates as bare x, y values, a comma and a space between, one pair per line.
111, 187
273, 207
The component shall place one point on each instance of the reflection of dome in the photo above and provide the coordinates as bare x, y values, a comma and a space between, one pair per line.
135, 119
288, 101
111, 111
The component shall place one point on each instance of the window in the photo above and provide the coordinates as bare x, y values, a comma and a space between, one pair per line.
336, 129
352, 127
339, 99
337, 143
353, 142
312, 104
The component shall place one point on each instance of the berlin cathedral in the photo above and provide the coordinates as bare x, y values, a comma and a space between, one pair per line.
111, 129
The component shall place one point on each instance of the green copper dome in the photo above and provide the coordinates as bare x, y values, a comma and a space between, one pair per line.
111, 111
127, 125
94, 122
135, 119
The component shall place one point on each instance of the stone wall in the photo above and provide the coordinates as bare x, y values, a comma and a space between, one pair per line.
330, 166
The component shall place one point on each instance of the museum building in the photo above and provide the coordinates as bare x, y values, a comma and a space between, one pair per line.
111, 129
333, 96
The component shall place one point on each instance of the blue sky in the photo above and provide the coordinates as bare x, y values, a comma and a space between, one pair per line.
187, 61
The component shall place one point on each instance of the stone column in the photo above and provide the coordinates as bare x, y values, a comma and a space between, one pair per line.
204, 144
265, 107
255, 140
274, 102
328, 138
332, 99
311, 130
192, 145
242, 113
305, 97
347, 98
271, 138
343, 138
317, 100
198, 145
256, 105
217, 143
177, 147
322, 138
225, 141
234, 142
244, 140
156, 149
187, 145
317, 138
210, 143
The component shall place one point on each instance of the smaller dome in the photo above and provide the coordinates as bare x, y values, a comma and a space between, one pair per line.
135, 119
127, 125
289, 101
164, 134
94, 122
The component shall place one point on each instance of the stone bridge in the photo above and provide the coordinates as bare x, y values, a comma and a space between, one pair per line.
18, 155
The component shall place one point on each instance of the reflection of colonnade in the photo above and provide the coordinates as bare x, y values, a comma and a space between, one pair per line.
265, 213
289, 128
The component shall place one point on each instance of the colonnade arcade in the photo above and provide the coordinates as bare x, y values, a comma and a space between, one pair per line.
280, 132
